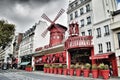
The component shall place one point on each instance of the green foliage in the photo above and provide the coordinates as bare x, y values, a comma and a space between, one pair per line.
87, 66
102, 66
29, 66
64, 66
6, 33
77, 66
60, 66
94, 66
46, 65
72, 66
53, 66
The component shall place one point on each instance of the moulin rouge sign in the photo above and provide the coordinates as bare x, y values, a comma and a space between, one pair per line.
78, 41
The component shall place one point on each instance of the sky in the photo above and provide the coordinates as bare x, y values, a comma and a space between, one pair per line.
25, 13
118, 4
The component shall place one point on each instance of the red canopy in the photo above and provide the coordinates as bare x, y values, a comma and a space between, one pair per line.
100, 56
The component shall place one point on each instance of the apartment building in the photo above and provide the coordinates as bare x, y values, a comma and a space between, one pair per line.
30, 41
115, 27
94, 18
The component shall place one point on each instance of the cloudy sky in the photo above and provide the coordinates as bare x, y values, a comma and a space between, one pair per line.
25, 13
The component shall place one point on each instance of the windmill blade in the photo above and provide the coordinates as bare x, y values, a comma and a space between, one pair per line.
46, 18
44, 33
59, 14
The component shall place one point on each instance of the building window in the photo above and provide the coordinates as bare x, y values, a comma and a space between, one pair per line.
81, 1
71, 6
106, 30
87, 8
83, 33
118, 34
89, 20
98, 32
71, 16
81, 11
100, 48
108, 46
82, 23
90, 32
76, 3
76, 14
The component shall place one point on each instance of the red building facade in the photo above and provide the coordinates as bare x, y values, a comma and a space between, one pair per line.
76, 49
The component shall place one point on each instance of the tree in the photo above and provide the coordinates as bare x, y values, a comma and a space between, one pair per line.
6, 33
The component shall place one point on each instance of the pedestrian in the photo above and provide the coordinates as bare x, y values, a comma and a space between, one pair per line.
111, 70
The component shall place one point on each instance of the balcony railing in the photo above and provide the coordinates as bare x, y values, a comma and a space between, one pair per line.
78, 41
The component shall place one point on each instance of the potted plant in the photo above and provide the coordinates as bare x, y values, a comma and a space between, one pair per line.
94, 71
51, 68
86, 70
104, 70
72, 70
28, 68
45, 68
78, 69
60, 68
48, 68
55, 69
65, 70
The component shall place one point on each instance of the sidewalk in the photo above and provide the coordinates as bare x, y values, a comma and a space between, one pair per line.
72, 77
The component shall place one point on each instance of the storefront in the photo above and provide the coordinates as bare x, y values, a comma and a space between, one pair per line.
79, 49
107, 58
52, 55
25, 60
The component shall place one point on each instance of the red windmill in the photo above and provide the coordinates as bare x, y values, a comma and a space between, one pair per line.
57, 31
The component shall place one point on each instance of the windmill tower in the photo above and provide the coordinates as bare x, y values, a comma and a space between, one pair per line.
57, 31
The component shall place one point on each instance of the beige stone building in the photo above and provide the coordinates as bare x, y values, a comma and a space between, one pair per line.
115, 27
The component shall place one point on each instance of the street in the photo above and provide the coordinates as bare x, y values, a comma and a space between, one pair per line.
38, 75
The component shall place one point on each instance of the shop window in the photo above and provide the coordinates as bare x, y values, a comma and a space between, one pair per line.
76, 14
100, 48
89, 20
71, 16
90, 32
98, 32
83, 33
118, 34
81, 11
82, 23
87, 8
108, 46
106, 30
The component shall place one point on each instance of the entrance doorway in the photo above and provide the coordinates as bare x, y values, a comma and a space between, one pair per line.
39, 67
80, 56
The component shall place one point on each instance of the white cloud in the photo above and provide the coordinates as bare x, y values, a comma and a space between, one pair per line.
25, 13
118, 6
21, 10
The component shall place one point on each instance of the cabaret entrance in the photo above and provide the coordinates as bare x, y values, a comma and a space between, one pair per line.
79, 49
79, 55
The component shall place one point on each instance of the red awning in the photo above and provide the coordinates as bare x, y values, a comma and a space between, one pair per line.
100, 56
